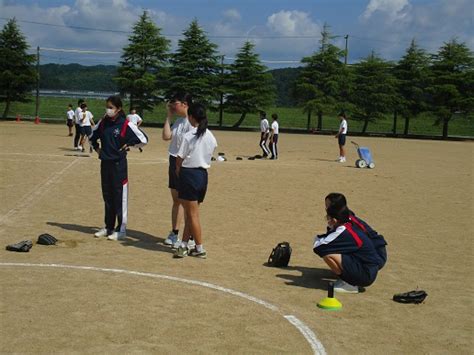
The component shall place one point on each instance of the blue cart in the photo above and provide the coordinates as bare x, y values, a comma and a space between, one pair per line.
365, 157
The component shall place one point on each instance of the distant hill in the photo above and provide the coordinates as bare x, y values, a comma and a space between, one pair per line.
99, 78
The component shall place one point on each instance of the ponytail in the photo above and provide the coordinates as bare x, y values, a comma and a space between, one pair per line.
198, 112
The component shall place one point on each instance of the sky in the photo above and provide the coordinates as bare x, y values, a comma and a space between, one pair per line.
383, 26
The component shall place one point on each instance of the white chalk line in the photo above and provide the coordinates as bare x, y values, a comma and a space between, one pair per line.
307, 333
38, 192
73, 154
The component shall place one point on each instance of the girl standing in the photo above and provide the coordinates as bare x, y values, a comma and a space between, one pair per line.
87, 119
116, 134
193, 161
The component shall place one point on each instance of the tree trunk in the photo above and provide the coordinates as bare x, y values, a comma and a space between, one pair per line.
320, 121
407, 125
395, 116
445, 127
241, 119
7, 108
308, 124
366, 123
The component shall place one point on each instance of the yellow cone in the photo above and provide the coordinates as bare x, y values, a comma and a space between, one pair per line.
330, 304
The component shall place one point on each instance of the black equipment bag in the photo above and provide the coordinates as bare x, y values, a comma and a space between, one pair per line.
280, 256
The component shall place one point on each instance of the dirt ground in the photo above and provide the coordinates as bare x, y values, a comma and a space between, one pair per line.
420, 196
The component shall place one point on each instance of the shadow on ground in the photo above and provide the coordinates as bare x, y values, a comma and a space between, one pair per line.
134, 238
314, 278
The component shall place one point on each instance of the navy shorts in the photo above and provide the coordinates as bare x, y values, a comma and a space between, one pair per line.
86, 130
341, 139
173, 180
192, 184
69, 123
355, 273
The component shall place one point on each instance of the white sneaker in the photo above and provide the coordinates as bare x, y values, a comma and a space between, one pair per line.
176, 244
101, 233
117, 236
79, 147
343, 159
171, 239
343, 287
191, 244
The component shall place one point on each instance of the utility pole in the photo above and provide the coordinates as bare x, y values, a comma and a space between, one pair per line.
346, 52
221, 105
37, 80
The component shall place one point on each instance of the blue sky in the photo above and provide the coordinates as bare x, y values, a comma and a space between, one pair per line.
385, 26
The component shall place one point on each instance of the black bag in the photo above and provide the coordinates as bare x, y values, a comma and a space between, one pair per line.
46, 239
280, 256
22, 247
417, 296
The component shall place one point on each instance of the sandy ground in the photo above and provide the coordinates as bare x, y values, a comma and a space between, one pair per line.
420, 196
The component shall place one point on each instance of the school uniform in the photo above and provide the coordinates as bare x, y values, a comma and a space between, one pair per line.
274, 143
136, 119
196, 154
113, 135
377, 239
85, 123
341, 139
264, 132
360, 262
180, 127
70, 118
77, 117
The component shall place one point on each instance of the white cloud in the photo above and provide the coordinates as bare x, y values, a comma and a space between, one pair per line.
232, 15
292, 23
393, 9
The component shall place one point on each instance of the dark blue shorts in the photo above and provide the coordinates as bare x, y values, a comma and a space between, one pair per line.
341, 139
173, 180
86, 131
192, 184
356, 273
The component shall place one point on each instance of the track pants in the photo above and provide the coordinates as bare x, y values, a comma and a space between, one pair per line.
77, 134
274, 146
263, 144
114, 177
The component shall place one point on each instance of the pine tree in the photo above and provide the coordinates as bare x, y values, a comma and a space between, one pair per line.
320, 86
195, 66
374, 90
142, 71
452, 86
412, 73
17, 75
249, 86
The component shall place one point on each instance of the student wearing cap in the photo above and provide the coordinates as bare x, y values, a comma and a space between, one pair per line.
193, 161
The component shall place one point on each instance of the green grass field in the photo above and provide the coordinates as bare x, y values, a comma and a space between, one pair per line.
51, 107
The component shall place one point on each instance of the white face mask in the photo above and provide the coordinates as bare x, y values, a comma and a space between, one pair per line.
110, 112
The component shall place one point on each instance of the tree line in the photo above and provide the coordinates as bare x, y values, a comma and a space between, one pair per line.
440, 83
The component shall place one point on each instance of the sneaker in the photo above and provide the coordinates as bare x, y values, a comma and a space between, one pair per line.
176, 244
101, 233
343, 287
171, 239
191, 244
79, 147
343, 159
181, 253
198, 254
117, 236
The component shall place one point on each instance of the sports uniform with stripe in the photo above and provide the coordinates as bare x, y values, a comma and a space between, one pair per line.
360, 261
264, 132
113, 135
377, 239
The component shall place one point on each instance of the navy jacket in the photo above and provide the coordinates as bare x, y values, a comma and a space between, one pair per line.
113, 135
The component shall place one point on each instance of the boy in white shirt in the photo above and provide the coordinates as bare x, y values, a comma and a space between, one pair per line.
193, 160
341, 137
86, 120
274, 137
70, 119
264, 131
134, 117
77, 126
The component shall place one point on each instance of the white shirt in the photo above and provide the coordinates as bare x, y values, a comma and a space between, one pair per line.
87, 119
275, 127
343, 126
197, 152
77, 115
70, 115
134, 118
264, 126
178, 130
